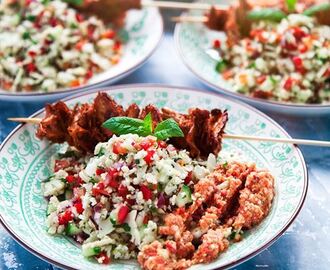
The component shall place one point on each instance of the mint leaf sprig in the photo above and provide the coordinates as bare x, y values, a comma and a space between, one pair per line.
313, 10
266, 14
291, 5
125, 125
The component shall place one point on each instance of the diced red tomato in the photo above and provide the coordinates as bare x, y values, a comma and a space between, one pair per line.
326, 73
216, 44
146, 219
117, 46
288, 84
53, 22
32, 53
111, 178
162, 144
122, 214
99, 171
147, 193
122, 190
70, 179
65, 217
90, 31
118, 149
110, 34
146, 144
261, 79
103, 258
61, 164
302, 48
79, 17
100, 190
89, 74
75, 181
149, 157
188, 178
298, 33
78, 205
298, 63
31, 67
130, 201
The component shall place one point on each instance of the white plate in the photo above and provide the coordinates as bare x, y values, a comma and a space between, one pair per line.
25, 160
192, 41
145, 30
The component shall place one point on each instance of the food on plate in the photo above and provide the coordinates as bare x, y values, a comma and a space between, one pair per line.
142, 195
112, 11
280, 56
47, 45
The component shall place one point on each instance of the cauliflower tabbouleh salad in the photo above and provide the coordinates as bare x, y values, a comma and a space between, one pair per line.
139, 197
282, 61
45, 45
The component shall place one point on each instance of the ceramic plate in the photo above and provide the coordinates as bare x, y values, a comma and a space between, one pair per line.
193, 41
144, 29
24, 161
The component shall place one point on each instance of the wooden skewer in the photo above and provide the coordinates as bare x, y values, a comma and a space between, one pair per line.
227, 136
190, 19
178, 5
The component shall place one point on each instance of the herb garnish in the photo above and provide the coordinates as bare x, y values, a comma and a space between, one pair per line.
291, 5
266, 14
316, 8
125, 125
75, 2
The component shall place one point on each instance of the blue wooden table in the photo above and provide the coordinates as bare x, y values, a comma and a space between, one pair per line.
305, 245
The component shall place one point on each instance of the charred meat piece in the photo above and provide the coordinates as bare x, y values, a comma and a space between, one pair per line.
133, 111
203, 130
82, 126
110, 11
55, 124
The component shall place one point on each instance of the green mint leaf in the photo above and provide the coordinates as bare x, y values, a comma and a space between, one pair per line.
291, 5
167, 129
126, 125
75, 2
316, 8
147, 122
266, 14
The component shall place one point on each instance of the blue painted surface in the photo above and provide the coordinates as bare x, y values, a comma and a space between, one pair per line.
306, 243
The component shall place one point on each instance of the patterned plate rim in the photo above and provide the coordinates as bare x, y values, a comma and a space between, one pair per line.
130, 87
219, 89
75, 90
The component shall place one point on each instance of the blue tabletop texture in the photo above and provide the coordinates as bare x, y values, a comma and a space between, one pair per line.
305, 245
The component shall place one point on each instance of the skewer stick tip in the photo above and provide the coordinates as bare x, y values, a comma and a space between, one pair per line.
189, 19
25, 120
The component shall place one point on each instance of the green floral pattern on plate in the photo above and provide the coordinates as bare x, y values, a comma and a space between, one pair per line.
25, 161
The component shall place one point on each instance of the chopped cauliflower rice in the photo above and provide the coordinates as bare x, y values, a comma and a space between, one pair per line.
141, 198
47, 45
287, 61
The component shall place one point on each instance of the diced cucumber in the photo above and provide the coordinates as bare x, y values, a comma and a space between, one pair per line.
88, 252
184, 196
51, 208
68, 194
72, 229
